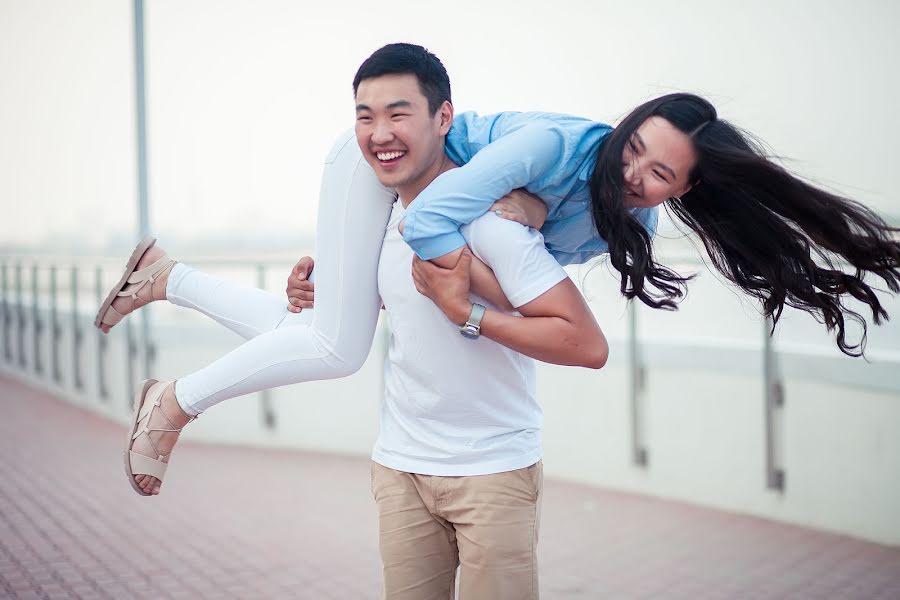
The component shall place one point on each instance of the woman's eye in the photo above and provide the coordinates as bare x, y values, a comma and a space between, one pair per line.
660, 176
632, 146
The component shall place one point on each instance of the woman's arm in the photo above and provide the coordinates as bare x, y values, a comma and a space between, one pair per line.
459, 196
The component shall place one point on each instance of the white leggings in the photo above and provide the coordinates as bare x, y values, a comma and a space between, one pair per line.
283, 347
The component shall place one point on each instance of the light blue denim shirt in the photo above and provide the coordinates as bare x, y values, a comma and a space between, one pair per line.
550, 155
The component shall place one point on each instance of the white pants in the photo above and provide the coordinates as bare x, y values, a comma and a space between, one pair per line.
283, 347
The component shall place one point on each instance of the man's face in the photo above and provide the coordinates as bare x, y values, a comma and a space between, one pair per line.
397, 133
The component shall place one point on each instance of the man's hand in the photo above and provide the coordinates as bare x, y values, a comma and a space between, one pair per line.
522, 207
448, 288
300, 292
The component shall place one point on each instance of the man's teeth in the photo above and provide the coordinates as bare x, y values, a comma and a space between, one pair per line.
389, 155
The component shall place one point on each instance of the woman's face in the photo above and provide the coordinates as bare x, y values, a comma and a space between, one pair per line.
656, 163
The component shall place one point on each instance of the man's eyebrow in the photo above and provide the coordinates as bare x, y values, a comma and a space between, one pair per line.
399, 104
391, 106
662, 166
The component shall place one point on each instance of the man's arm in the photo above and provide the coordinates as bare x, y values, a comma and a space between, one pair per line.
557, 326
518, 205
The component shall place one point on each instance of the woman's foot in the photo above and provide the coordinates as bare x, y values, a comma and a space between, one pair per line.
153, 289
164, 424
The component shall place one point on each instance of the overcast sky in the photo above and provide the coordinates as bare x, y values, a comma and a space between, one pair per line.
244, 98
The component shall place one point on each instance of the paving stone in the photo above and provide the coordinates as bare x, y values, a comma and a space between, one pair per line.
247, 531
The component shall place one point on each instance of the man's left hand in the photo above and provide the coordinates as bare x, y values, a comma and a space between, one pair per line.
448, 288
300, 291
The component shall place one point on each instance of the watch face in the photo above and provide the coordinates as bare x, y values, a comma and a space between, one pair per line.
469, 331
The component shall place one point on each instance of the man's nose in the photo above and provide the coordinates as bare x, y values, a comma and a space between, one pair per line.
382, 133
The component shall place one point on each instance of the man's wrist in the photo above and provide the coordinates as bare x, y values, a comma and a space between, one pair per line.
461, 313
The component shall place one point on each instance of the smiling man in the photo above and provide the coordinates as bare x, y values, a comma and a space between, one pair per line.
456, 471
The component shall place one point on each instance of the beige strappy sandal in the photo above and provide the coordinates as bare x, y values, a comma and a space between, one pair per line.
146, 400
131, 283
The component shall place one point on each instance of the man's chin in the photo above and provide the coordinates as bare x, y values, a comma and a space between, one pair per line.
389, 180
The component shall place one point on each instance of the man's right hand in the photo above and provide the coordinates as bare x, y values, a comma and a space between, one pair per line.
300, 291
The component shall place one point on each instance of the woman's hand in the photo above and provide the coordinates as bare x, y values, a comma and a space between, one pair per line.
522, 207
300, 291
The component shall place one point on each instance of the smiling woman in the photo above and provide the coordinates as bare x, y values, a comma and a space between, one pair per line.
657, 169
778, 238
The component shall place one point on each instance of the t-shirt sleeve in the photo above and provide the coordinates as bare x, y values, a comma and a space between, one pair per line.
461, 195
517, 255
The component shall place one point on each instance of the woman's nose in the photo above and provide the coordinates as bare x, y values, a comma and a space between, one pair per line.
630, 172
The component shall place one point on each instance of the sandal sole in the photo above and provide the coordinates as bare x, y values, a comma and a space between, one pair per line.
138, 253
138, 400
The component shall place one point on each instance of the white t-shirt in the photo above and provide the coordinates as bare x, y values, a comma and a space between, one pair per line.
455, 406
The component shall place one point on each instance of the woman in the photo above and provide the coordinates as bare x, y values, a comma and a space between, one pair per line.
762, 227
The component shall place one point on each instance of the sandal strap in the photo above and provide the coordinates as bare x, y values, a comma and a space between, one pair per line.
111, 317
150, 272
141, 464
138, 281
144, 465
151, 402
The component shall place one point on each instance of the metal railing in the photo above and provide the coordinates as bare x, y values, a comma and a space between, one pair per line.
25, 328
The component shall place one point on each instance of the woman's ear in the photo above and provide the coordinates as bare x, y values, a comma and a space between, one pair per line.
684, 190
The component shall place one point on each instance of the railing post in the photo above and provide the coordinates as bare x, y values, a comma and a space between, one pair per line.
130, 357
36, 322
102, 388
77, 334
7, 317
20, 312
55, 329
639, 455
773, 399
265, 396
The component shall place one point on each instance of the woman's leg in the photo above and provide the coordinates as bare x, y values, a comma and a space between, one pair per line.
353, 212
246, 311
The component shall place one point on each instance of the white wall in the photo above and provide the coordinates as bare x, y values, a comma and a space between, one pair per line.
244, 98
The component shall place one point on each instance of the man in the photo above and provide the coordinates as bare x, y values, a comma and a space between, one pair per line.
456, 471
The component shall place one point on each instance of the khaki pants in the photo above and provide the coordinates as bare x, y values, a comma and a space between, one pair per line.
486, 524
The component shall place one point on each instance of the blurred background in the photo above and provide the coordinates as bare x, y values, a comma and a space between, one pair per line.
242, 103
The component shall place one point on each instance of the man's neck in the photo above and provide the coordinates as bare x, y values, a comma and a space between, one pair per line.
407, 194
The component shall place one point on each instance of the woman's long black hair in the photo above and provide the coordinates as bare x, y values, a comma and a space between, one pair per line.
773, 235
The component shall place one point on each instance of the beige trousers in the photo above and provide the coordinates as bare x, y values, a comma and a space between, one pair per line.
485, 524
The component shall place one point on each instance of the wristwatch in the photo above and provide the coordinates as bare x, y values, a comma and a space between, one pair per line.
472, 327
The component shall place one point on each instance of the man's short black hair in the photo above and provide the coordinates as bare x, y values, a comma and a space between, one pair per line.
400, 59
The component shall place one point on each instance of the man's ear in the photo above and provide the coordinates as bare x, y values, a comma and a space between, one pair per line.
446, 113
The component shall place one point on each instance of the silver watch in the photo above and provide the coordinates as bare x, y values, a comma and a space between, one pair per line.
472, 327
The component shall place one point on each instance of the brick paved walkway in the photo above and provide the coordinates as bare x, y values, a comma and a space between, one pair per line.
239, 523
